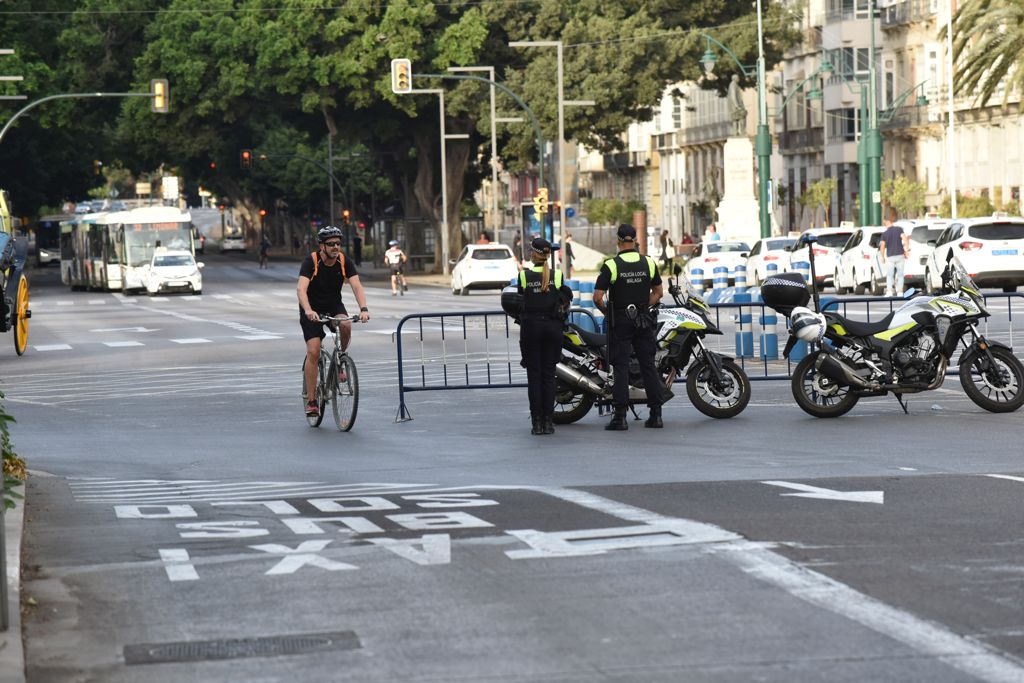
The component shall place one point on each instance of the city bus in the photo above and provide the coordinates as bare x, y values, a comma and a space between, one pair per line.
46, 238
89, 257
139, 232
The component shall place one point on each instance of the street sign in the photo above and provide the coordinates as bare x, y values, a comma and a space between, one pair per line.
569, 212
169, 187
143, 188
876, 197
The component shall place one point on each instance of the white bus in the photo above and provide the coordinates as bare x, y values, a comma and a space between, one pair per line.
88, 253
140, 231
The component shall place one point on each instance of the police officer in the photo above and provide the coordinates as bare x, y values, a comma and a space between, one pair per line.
544, 299
633, 284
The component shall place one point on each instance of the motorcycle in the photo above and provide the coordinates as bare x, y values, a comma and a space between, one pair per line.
906, 352
715, 384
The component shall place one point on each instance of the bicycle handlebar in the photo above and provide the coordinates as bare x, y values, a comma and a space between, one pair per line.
332, 319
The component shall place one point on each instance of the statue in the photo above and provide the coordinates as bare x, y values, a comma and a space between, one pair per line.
737, 112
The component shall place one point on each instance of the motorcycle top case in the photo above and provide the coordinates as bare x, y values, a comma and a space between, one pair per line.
512, 302
784, 292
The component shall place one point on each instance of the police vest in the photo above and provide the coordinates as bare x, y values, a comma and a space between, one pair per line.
535, 301
632, 274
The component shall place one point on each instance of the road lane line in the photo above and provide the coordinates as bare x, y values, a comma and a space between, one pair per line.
178, 565
1005, 476
53, 347
821, 591
121, 344
192, 340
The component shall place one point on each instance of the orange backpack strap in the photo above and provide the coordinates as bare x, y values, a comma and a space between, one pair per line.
341, 259
316, 265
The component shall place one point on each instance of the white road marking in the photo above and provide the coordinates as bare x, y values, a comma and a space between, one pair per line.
433, 548
178, 565
120, 344
124, 329
305, 553
97, 302
191, 340
65, 303
52, 347
258, 337
821, 591
829, 494
1005, 476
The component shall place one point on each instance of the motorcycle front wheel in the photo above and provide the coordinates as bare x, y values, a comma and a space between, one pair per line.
998, 387
716, 399
818, 395
570, 404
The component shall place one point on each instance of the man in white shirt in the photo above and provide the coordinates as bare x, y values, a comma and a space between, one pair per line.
396, 258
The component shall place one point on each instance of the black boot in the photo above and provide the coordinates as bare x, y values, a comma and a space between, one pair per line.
618, 422
654, 421
538, 425
549, 425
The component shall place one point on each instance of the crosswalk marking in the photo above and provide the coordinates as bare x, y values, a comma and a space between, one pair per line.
52, 347
192, 340
97, 302
258, 337
120, 344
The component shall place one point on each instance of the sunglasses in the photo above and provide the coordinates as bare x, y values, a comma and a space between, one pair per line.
332, 244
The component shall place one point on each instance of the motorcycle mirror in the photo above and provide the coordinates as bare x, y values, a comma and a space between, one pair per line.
810, 239
949, 256
677, 269
909, 293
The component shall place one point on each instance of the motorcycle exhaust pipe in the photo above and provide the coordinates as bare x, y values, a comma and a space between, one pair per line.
840, 372
578, 380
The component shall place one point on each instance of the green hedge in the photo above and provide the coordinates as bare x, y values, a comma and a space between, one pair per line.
13, 466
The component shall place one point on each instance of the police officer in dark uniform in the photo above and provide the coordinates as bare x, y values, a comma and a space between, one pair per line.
544, 299
633, 284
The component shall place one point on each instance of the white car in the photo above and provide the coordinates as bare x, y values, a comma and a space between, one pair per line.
483, 266
173, 270
991, 250
826, 251
766, 251
859, 269
923, 234
710, 255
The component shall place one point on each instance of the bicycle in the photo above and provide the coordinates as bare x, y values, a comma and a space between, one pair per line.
343, 394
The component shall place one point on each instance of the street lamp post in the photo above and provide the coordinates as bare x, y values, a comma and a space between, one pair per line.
763, 139
873, 139
494, 142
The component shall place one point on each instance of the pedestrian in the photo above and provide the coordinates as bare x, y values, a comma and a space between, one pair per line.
517, 249
264, 252
665, 242
893, 250
567, 255
357, 249
633, 284
711, 235
295, 244
482, 239
544, 303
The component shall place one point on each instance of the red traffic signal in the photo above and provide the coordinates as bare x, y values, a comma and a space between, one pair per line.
245, 158
213, 165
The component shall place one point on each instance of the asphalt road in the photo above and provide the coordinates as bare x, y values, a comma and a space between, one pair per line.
184, 523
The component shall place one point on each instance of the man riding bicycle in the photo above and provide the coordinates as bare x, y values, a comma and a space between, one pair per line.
396, 258
321, 277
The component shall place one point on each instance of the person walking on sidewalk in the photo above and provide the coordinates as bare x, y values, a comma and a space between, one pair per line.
893, 250
396, 258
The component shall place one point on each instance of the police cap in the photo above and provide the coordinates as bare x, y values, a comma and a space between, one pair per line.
626, 233
541, 246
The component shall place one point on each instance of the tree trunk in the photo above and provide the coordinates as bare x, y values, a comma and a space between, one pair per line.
429, 199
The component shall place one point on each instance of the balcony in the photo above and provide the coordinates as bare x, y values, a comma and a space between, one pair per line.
718, 131
907, 11
802, 141
619, 161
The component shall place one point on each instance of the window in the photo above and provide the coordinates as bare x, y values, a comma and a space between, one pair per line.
842, 125
492, 254
997, 231
677, 113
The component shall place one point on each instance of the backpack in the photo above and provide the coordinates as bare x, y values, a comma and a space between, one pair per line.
316, 265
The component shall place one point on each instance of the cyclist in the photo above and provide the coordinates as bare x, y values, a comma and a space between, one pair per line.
395, 258
321, 277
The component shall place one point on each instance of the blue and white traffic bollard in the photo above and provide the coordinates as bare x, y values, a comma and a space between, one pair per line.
697, 279
745, 328
769, 340
804, 269
739, 277
587, 302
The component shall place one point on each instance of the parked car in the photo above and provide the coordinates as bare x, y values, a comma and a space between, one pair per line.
991, 250
859, 269
710, 255
923, 234
768, 250
173, 270
826, 251
483, 266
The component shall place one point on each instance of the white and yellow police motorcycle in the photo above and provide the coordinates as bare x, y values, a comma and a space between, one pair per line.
906, 352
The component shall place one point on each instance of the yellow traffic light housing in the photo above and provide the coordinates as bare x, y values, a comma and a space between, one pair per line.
401, 76
161, 102
540, 202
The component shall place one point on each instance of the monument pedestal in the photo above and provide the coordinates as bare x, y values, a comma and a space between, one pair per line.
738, 217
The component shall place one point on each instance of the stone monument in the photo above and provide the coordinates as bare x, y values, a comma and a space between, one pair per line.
738, 217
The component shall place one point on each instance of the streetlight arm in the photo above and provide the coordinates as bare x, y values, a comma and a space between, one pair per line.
746, 69
887, 115
65, 96
798, 88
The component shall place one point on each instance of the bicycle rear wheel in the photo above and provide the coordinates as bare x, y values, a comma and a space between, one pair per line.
345, 397
314, 420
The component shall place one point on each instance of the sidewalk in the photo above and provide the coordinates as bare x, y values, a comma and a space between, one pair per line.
12, 649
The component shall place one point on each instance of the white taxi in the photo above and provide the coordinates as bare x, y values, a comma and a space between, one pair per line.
826, 251
717, 254
767, 251
859, 269
991, 250
483, 266
172, 270
923, 234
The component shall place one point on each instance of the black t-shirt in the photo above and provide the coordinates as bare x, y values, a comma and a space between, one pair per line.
324, 290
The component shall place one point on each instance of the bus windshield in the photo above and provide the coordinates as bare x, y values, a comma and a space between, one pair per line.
142, 239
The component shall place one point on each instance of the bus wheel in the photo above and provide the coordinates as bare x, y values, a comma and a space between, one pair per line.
21, 316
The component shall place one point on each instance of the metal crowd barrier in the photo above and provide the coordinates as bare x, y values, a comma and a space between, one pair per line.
480, 350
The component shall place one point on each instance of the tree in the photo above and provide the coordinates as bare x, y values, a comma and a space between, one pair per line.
988, 47
904, 195
819, 193
967, 207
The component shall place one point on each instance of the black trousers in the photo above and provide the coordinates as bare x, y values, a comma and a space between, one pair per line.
541, 341
624, 338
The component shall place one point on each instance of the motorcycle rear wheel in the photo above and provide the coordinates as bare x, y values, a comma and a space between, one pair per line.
998, 389
818, 395
570, 404
718, 401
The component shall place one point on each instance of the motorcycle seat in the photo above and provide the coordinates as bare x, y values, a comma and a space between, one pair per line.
858, 328
590, 338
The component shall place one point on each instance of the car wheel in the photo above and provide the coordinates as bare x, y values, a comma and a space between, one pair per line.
464, 291
836, 282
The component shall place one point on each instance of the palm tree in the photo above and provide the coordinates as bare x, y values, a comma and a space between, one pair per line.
988, 46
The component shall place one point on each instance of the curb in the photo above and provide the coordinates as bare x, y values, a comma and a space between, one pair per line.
12, 649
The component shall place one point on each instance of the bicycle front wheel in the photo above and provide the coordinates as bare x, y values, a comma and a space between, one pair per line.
345, 397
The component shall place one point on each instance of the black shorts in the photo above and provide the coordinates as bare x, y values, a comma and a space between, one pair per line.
396, 270
312, 330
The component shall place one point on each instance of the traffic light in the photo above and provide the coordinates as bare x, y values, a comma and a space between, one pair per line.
346, 215
401, 76
161, 102
263, 212
213, 165
97, 166
245, 158
540, 202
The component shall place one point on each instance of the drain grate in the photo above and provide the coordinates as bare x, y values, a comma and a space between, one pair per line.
234, 648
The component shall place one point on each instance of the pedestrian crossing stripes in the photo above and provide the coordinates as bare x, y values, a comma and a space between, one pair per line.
118, 344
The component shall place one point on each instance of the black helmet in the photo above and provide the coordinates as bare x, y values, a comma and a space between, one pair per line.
327, 232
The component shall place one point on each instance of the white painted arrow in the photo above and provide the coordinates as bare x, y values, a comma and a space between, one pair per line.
124, 329
829, 494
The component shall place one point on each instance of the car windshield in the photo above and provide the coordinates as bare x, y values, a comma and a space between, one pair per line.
923, 233
173, 260
727, 246
491, 254
779, 244
833, 239
997, 231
